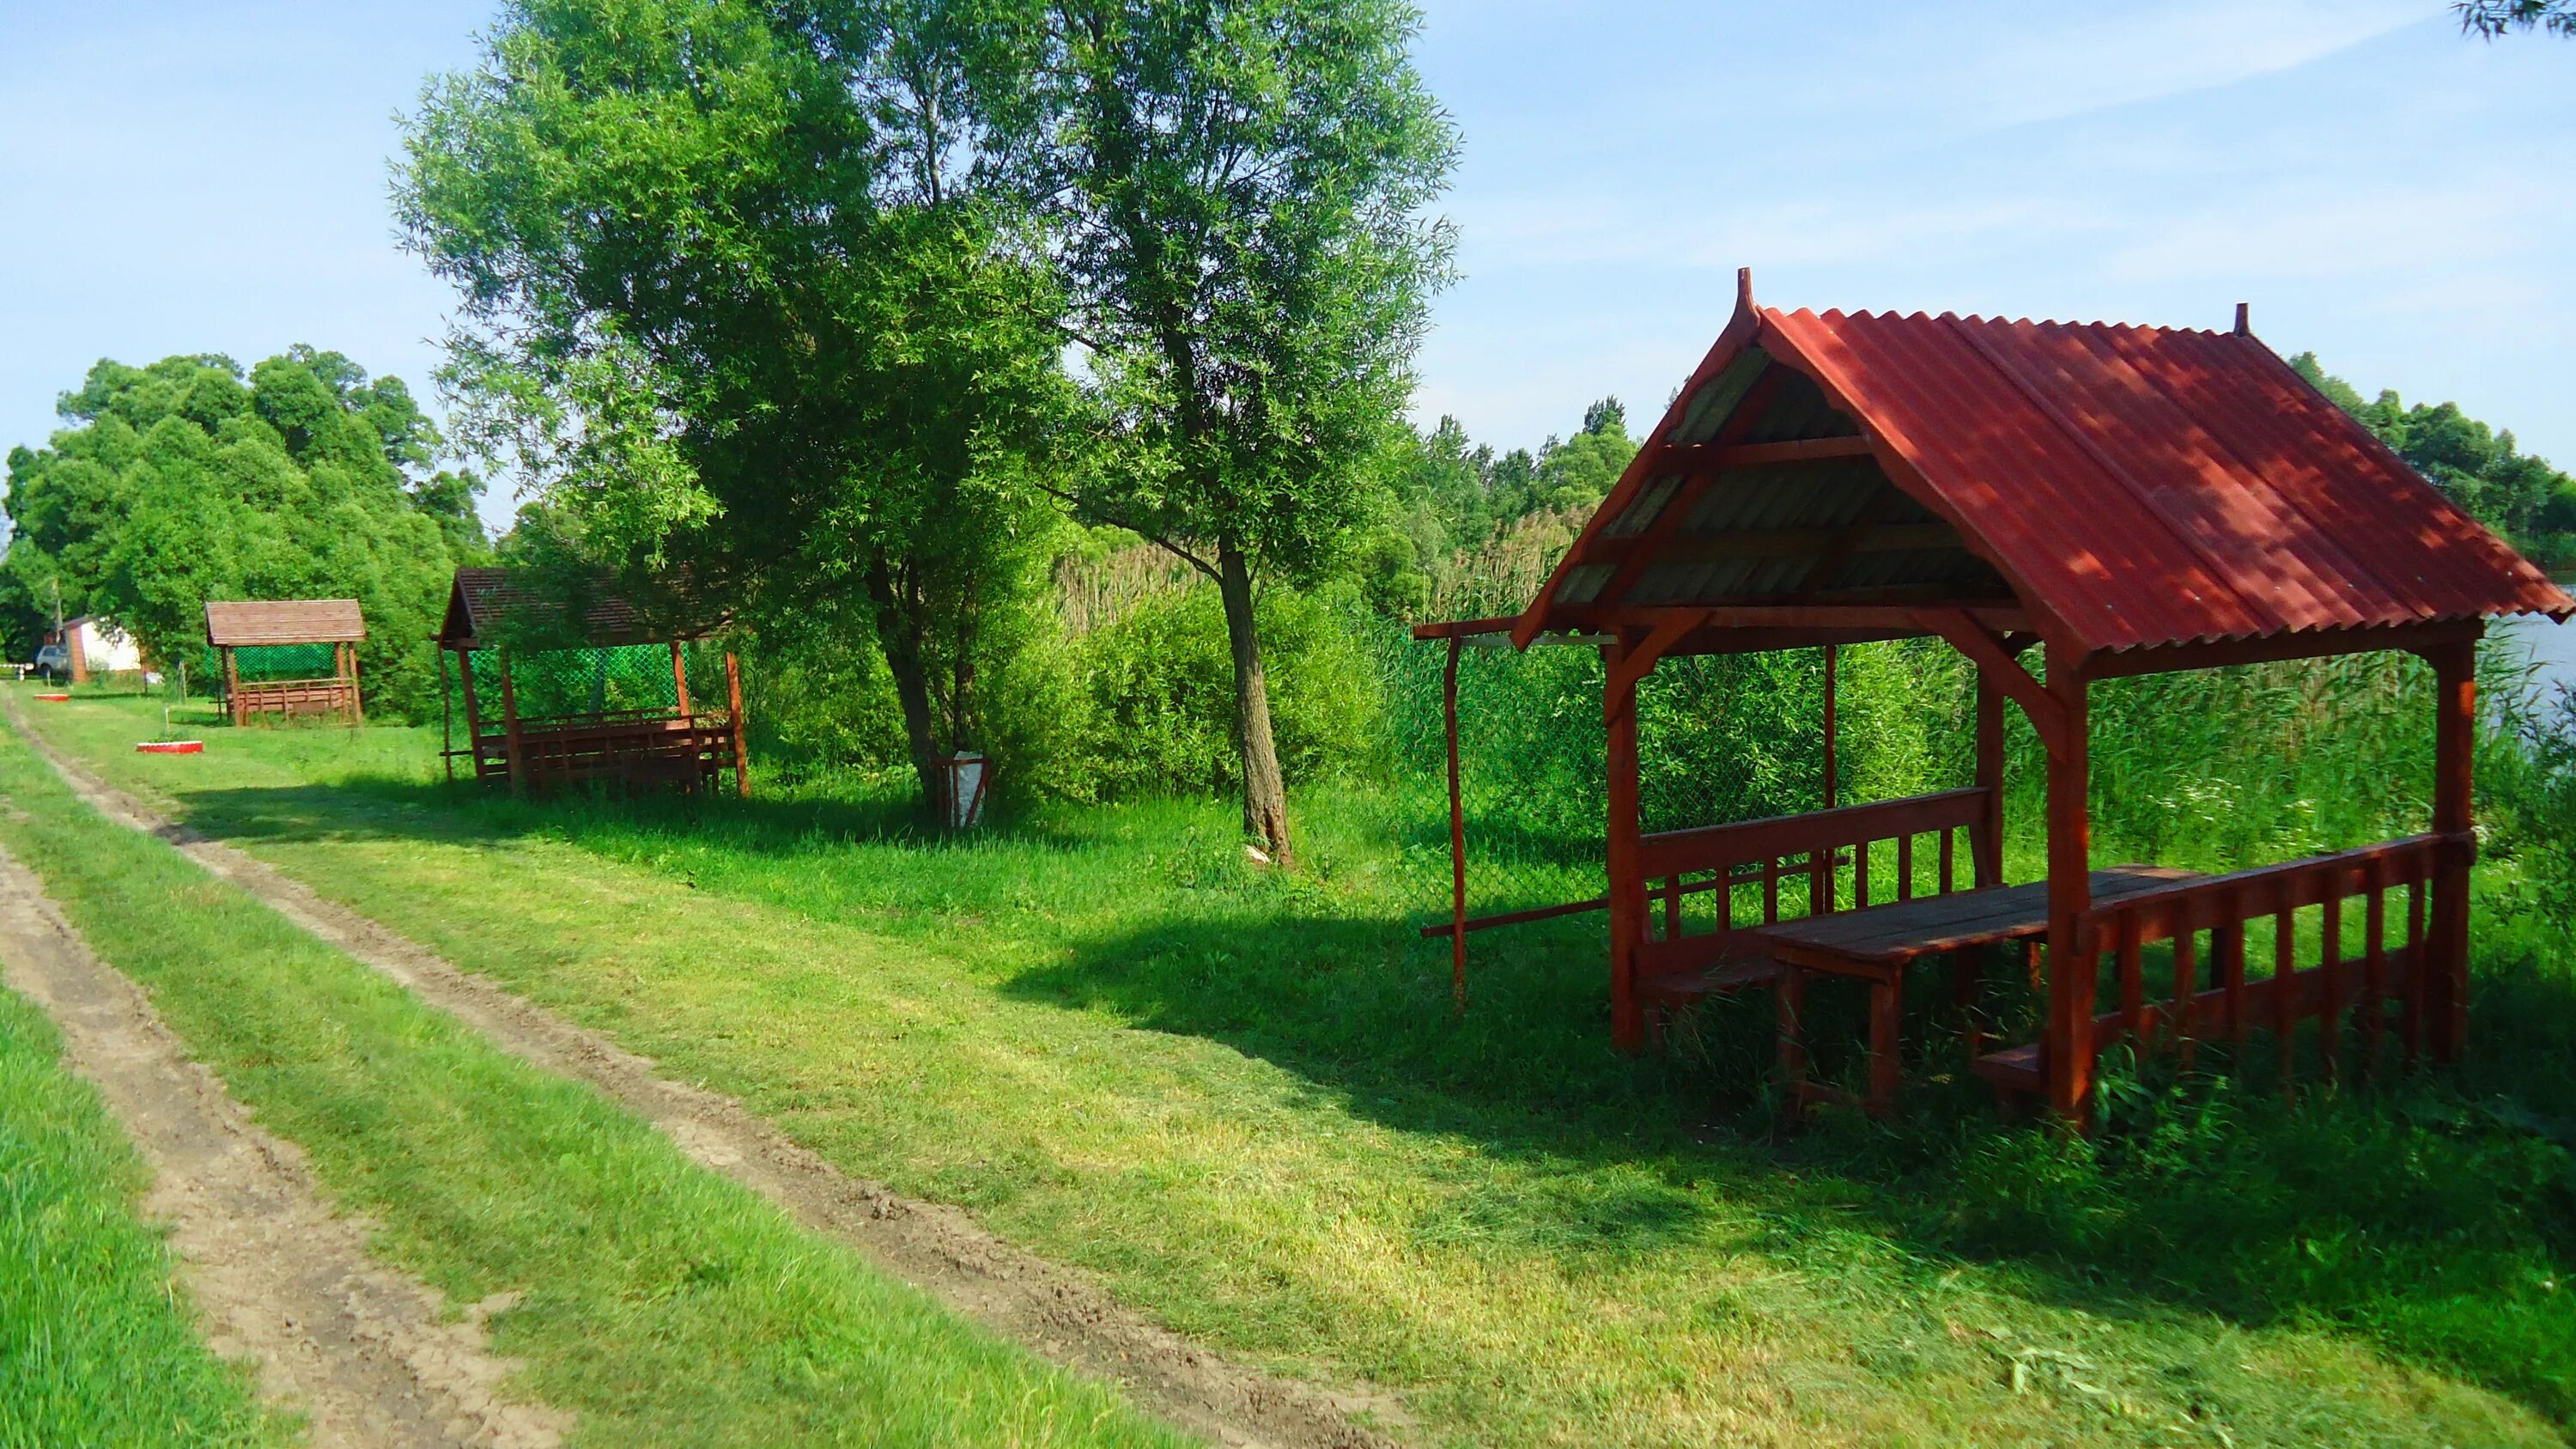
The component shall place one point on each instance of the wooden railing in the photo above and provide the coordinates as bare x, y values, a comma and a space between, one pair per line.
1818, 851
2388, 886
634, 745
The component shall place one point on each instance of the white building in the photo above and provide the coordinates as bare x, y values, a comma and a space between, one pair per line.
90, 646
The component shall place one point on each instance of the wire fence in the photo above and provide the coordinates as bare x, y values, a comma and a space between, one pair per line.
609, 680
260, 663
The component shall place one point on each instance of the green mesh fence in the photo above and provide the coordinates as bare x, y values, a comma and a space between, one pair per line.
259, 662
612, 680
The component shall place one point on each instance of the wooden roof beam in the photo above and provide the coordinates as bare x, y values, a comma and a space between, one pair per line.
1790, 543
1717, 457
2048, 714
1685, 495
1902, 617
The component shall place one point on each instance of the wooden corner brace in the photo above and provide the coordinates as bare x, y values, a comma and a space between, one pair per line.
2047, 715
1630, 665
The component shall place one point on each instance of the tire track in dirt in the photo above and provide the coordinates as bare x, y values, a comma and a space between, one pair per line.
1051, 1309
359, 1348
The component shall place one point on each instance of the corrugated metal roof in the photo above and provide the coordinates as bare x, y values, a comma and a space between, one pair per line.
2137, 485
247, 623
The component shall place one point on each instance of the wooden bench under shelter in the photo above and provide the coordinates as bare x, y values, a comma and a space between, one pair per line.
273, 627
671, 740
2119, 500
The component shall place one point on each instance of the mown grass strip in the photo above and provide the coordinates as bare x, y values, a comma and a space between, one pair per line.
1299, 1158
661, 1303
96, 1340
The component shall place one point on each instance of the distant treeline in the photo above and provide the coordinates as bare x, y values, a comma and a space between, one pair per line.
192, 480
2477, 466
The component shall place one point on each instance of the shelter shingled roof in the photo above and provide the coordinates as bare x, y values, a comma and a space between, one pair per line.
249, 623
482, 597
2130, 487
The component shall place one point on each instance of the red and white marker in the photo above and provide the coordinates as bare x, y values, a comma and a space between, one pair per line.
172, 747
56, 698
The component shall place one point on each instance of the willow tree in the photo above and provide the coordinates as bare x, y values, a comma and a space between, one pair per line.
1233, 193
737, 298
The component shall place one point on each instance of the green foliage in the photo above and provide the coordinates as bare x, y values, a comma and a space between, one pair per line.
800, 357
2477, 467
95, 1347
1448, 501
184, 482
1140, 705
1235, 191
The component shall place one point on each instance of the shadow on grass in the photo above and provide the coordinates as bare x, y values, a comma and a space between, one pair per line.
2435, 1212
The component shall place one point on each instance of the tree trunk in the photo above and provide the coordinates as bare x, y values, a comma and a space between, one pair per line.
1265, 797
899, 635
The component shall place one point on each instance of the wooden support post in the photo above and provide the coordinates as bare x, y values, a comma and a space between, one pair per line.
1627, 887
1987, 840
680, 680
741, 754
446, 720
473, 715
510, 724
2454, 744
1457, 834
2066, 1052
357, 701
232, 684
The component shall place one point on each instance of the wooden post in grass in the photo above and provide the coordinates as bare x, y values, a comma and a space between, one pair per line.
1457, 834
510, 723
733, 698
679, 679
357, 701
446, 721
232, 686
473, 715
2066, 1054
1627, 887
2455, 694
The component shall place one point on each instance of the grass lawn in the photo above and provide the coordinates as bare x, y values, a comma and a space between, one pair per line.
659, 1302
1245, 1103
96, 1344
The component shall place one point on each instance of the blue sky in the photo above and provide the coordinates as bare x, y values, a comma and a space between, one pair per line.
211, 177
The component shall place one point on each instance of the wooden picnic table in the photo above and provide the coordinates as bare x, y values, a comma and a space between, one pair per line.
1876, 943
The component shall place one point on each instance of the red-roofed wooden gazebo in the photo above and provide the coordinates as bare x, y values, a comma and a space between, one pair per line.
2127, 500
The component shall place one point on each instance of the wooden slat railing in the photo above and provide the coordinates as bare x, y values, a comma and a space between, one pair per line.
1822, 850
2315, 975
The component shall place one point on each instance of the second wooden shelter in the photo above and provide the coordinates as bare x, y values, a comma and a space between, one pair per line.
612, 697
2123, 501
272, 649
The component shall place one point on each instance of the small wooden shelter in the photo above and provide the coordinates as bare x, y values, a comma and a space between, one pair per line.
275, 626
671, 740
2122, 501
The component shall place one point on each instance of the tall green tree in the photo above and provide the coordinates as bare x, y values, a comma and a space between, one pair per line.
189, 481
1234, 193
737, 297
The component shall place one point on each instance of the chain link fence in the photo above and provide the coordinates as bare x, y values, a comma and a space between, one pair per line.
610, 681
261, 663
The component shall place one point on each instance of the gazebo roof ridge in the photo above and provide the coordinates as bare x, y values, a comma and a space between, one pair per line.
2131, 487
